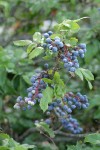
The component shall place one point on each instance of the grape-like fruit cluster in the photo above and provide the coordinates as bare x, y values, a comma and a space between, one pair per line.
70, 57
63, 108
60, 109
76, 101
67, 55
71, 125
34, 93
53, 45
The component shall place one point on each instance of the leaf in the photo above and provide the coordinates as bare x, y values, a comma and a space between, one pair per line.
87, 74
22, 42
49, 55
45, 127
36, 52
20, 147
90, 85
79, 73
37, 37
93, 138
73, 41
47, 80
73, 26
56, 77
78, 146
54, 35
81, 19
29, 146
46, 99
4, 136
59, 86
30, 47
26, 78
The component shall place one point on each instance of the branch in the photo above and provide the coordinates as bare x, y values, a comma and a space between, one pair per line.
69, 135
57, 132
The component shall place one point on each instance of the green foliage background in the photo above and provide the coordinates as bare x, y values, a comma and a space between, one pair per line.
19, 20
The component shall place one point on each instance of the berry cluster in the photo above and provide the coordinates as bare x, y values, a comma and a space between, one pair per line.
63, 108
69, 58
68, 55
60, 109
71, 124
53, 45
76, 101
34, 93
69, 102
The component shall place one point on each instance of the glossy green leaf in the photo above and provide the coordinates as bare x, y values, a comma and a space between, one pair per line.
90, 85
45, 127
46, 80
79, 73
73, 41
54, 35
4, 136
36, 52
78, 146
37, 37
93, 138
46, 99
28, 146
22, 42
59, 86
87, 74
31, 47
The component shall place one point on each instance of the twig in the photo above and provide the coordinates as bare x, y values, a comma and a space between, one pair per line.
70, 135
57, 132
49, 138
27, 132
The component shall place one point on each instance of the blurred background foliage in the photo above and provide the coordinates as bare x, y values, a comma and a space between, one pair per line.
19, 19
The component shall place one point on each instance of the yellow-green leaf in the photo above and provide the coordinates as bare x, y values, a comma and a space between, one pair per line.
36, 52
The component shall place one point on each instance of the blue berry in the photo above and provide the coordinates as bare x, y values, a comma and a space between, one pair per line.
54, 49
46, 35
19, 98
32, 79
46, 65
30, 94
40, 95
57, 41
81, 51
50, 32
72, 69
65, 60
57, 38
48, 40
82, 45
60, 44
48, 121
44, 45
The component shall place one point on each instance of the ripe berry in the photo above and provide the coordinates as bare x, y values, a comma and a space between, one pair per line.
46, 35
